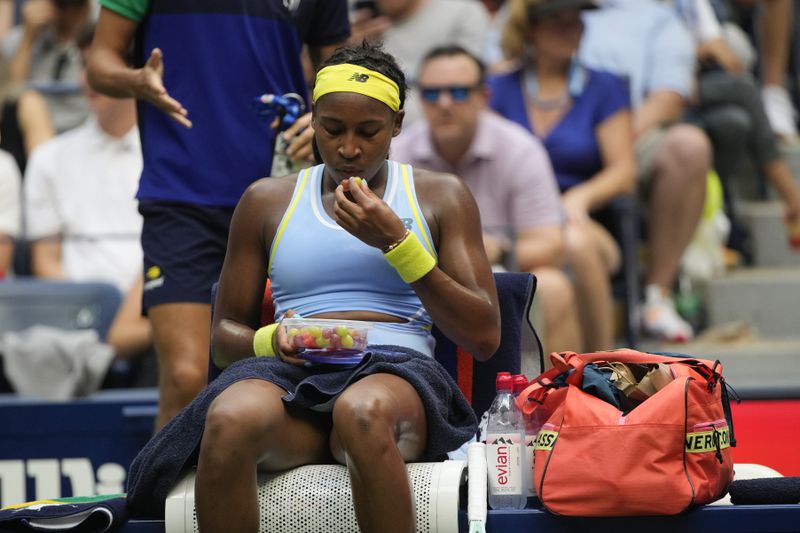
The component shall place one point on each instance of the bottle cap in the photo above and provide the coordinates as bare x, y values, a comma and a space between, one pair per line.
519, 382
503, 382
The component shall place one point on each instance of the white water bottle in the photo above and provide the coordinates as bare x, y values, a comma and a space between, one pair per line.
505, 456
519, 382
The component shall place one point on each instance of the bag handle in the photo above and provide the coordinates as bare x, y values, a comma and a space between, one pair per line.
534, 395
711, 370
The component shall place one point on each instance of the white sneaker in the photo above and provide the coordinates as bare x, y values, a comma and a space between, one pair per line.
780, 112
661, 320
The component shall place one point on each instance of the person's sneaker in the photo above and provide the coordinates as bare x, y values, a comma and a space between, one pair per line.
780, 112
661, 320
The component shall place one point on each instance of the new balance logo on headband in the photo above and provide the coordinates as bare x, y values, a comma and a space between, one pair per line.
361, 78
346, 77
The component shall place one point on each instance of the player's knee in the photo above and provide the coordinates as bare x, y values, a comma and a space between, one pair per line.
363, 420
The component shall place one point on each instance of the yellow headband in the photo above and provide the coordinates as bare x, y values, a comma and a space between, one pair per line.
355, 79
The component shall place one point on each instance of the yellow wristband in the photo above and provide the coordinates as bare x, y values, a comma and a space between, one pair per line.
410, 259
262, 341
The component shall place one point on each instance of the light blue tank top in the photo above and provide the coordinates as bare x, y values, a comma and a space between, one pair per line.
315, 266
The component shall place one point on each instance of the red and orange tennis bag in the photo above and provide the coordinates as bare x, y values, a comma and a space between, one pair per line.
668, 453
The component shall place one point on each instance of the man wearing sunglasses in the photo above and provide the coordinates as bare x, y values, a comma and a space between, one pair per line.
508, 172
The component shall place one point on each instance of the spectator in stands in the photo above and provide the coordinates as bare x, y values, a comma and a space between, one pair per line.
582, 116
508, 173
409, 28
729, 107
7, 16
645, 42
43, 54
773, 38
25, 120
752, 28
492, 54
195, 173
81, 211
34, 120
10, 214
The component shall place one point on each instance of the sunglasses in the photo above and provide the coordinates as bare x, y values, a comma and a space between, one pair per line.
458, 93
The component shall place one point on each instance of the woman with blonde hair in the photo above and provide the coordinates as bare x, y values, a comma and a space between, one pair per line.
582, 116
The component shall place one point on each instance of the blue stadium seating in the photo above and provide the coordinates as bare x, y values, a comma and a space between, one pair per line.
28, 301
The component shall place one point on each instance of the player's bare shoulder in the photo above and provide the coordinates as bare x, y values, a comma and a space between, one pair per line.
264, 201
272, 188
271, 191
440, 187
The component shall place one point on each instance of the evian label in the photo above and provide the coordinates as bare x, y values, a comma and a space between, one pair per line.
503, 461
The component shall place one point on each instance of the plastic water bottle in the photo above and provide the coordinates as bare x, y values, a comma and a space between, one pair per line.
286, 109
519, 382
505, 458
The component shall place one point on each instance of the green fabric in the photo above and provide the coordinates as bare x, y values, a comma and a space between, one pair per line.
132, 9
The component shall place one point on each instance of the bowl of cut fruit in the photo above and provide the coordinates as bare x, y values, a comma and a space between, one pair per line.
328, 340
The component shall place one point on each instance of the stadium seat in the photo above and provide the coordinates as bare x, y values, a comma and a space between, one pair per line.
25, 302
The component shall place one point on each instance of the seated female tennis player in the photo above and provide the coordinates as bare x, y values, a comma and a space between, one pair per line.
401, 249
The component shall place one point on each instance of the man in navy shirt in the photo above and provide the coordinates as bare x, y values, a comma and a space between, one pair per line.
200, 64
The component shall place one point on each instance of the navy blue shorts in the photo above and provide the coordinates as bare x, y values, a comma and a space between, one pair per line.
184, 247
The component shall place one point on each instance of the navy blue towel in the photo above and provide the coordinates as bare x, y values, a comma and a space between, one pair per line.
515, 292
91, 514
451, 421
764, 491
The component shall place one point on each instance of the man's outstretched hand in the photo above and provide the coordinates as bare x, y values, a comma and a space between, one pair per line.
150, 87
